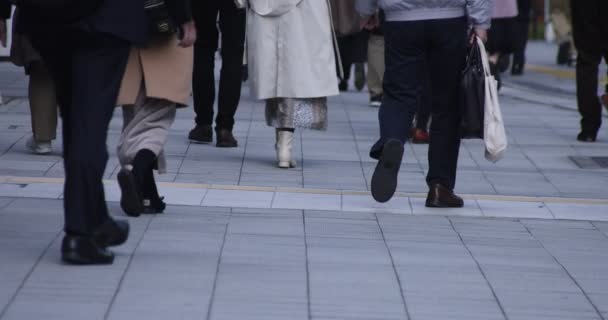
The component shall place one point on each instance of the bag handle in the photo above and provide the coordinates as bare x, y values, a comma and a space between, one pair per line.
335, 39
484, 57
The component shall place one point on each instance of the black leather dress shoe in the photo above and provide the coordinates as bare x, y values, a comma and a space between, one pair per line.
201, 134
384, 180
130, 198
112, 233
586, 137
84, 250
442, 197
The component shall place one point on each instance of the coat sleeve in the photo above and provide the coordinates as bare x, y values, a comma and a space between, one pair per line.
5, 9
480, 13
180, 10
366, 7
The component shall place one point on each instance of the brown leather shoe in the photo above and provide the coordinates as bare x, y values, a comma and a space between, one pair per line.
225, 139
442, 197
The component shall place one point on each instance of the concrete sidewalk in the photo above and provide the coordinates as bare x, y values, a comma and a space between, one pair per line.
242, 239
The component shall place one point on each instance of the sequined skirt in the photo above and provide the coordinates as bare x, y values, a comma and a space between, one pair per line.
307, 113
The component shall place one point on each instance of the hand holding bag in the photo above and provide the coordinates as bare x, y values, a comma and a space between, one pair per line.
472, 102
494, 135
158, 18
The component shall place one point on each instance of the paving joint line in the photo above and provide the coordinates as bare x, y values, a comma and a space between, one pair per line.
598, 229
217, 269
395, 271
352, 129
480, 268
245, 147
597, 310
308, 294
28, 275
127, 268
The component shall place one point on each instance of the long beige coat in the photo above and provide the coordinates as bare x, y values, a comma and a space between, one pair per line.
166, 69
290, 49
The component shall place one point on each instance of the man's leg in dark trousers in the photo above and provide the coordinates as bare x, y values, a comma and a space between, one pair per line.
346, 46
446, 62
587, 73
405, 60
232, 27
203, 85
87, 81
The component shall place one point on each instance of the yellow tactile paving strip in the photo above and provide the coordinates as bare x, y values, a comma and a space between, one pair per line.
556, 72
177, 185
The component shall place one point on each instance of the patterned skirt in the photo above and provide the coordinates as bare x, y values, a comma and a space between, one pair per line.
291, 113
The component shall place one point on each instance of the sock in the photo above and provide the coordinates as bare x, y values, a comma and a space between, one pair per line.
142, 166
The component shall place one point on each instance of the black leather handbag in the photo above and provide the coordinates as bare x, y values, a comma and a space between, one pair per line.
58, 11
158, 18
472, 103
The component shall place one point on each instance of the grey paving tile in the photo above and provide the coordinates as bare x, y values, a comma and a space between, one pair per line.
55, 291
173, 270
285, 200
578, 211
526, 279
237, 198
506, 209
437, 274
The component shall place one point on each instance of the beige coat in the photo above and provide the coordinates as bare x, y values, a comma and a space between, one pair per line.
290, 49
165, 68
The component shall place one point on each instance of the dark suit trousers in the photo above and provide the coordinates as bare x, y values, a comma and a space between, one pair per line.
414, 48
87, 68
232, 27
587, 74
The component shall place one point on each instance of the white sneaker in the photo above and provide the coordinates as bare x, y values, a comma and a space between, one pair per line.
39, 147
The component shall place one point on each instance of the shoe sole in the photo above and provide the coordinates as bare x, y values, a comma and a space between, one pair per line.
221, 145
130, 201
384, 180
437, 204
75, 259
200, 142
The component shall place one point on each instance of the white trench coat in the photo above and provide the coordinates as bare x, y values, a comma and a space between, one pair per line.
291, 49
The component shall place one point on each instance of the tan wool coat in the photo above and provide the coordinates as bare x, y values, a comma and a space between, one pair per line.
165, 68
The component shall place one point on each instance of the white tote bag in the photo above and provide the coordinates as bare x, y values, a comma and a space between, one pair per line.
494, 135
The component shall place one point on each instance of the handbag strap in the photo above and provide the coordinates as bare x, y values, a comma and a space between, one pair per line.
484, 57
335, 39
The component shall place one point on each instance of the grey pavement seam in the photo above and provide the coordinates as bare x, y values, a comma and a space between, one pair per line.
550, 211
307, 266
483, 172
11, 146
8, 203
542, 172
480, 268
597, 310
245, 147
409, 201
127, 268
29, 273
352, 129
217, 269
390, 254
598, 229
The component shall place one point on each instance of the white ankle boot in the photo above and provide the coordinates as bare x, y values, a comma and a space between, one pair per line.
283, 147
